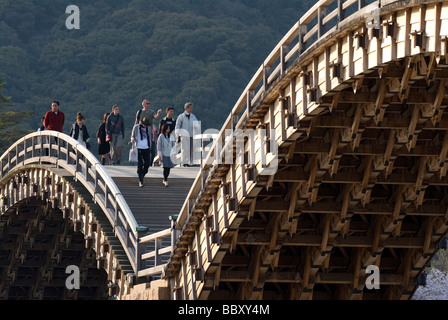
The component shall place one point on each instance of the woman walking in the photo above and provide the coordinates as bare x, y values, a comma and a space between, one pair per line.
164, 147
103, 145
79, 131
140, 138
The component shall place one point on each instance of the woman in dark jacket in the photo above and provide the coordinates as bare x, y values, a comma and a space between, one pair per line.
79, 130
103, 145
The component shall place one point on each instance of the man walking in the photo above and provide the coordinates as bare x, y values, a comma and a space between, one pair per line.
169, 119
149, 114
115, 131
186, 124
54, 119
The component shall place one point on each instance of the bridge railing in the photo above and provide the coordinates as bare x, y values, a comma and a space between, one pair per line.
156, 256
316, 25
63, 151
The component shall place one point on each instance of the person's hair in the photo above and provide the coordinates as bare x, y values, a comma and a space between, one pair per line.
169, 108
79, 117
55, 101
115, 106
188, 104
105, 116
163, 129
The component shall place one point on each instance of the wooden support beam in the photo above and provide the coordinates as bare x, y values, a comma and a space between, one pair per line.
437, 111
357, 85
368, 148
313, 176
306, 290
412, 132
340, 220
252, 207
326, 234
334, 102
371, 258
428, 237
293, 200
356, 122
379, 106
357, 285
413, 98
389, 122
407, 265
290, 155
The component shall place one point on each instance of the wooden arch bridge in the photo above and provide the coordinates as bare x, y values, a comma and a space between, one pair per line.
339, 163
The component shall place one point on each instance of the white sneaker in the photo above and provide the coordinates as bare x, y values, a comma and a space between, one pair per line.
140, 184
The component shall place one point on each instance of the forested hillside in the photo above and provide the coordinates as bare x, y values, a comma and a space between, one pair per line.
170, 51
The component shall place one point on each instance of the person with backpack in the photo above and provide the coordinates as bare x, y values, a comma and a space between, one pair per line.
147, 113
115, 134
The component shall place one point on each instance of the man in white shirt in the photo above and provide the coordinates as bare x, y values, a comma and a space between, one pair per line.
186, 125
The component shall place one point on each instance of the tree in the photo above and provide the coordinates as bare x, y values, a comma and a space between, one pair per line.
10, 122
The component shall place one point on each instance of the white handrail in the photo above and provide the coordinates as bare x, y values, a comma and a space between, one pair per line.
65, 152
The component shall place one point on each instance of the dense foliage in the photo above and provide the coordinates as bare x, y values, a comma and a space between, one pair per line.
10, 122
170, 51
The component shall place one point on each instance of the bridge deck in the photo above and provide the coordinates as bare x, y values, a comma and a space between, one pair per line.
154, 203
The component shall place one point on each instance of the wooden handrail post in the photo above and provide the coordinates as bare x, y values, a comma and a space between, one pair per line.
283, 52
174, 232
321, 11
140, 248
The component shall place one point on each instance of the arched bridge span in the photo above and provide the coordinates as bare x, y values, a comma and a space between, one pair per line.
341, 165
357, 177
49, 179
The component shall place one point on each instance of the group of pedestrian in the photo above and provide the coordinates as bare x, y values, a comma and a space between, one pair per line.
146, 137
170, 131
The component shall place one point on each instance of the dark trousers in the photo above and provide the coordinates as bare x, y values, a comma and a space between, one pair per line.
166, 173
144, 158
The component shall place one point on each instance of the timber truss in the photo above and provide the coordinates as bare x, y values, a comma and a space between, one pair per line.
49, 223
362, 131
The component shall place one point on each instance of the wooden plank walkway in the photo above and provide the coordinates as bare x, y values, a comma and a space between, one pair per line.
154, 203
